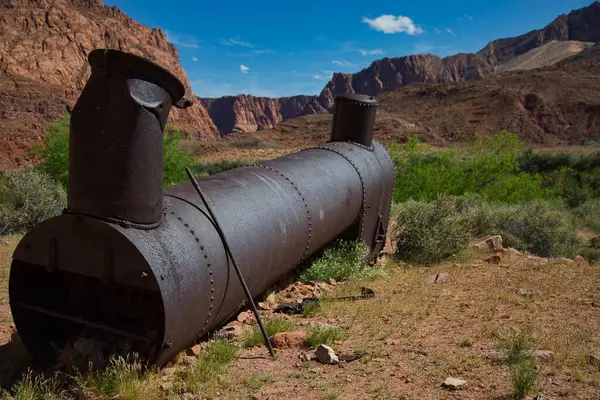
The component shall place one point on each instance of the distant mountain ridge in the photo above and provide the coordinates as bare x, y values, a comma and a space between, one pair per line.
388, 74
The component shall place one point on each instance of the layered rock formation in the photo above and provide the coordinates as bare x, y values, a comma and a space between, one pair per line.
388, 74
244, 113
43, 64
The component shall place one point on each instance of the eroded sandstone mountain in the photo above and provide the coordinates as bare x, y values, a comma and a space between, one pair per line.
43, 52
244, 113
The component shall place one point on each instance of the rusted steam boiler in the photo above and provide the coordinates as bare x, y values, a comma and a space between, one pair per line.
129, 263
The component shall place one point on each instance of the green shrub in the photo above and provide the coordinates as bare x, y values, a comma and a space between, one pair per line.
211, 363
341, 261
211, 168
33, 388
323, 334
538, 227
588, 214
176, 159
28, 197
55, 151
430, 232
54, 154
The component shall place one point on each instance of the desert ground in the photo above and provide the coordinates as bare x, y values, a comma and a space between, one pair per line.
421, 328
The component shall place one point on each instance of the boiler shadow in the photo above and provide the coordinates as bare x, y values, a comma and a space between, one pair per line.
14, 361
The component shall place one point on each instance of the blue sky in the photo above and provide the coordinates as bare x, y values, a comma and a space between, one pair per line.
277, 48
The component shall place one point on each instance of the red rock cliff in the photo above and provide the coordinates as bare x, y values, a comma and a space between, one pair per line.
244, 113
43, 64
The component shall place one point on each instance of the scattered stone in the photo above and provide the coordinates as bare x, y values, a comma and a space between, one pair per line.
545, 355
490, 243
537, 261
165, 386
326, 355
416, 351
514, 251
593, 360
494, 260
194, 351
332, 281
581, 261
496, 356
232, 330
437, 278
525, 292
289, 340
453, 383
265, 306
540, 397
243, 316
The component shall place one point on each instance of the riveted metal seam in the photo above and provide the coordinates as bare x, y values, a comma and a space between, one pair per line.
363, 209
308, 241
211, 304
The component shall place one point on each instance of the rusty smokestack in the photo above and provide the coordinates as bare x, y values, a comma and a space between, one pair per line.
116, 139
354, 119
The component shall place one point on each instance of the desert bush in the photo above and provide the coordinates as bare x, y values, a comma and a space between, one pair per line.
588, 214
323, 334
430, 232
210, 365
538, 227
203, 169
342, 261
54, 154
28, 197
176, 159
31, 387
55, 150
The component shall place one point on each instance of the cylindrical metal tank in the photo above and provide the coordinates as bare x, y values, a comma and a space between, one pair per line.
157, 290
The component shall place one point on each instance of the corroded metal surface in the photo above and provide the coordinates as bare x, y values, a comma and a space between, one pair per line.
150, 270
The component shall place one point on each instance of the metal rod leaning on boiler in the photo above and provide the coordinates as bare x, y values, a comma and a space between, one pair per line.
235, 265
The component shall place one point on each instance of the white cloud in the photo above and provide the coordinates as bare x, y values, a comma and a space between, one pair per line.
194, 59
260, 51
390, 24
342, 63
317, 76
438, 31
244, 69
450, 31
182, 40
235, 42
371, 52
469, 17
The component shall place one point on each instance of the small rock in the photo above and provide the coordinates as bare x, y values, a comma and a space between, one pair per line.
232, 330
544, 354
265, 306
307, 356
243, 316
453, 383
289, 340
525, 292
490, 243
194, 351
165, 386
537, 261
332, 281
494, 260
514, 251
540, 397
437, 278
326, 355
581, 261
